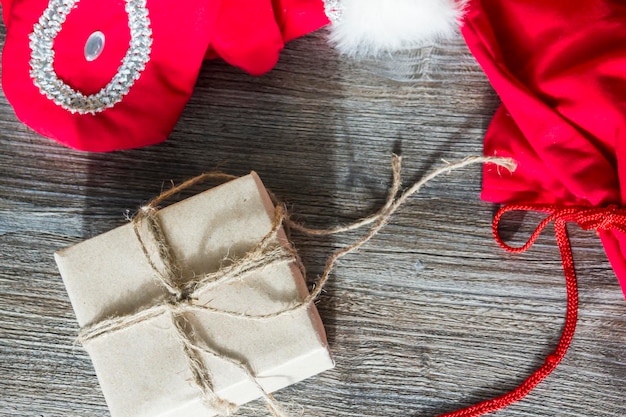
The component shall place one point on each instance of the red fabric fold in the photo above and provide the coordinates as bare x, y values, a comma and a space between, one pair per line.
299, 17
247, 35
251, 34
560, 70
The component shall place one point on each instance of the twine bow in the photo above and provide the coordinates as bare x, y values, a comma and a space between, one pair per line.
597, 218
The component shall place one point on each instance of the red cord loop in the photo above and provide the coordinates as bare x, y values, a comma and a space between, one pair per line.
603, 218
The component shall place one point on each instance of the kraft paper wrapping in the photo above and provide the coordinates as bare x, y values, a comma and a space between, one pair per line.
142, 369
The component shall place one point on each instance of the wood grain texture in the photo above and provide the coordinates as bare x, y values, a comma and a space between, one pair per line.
430, 316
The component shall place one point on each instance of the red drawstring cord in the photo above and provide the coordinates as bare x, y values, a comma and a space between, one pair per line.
610, 218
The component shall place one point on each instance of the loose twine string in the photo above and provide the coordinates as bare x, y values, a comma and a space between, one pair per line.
182, 295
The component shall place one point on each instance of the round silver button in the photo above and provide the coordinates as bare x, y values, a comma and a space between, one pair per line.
94, 46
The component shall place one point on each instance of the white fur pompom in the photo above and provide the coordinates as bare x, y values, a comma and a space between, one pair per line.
372, 27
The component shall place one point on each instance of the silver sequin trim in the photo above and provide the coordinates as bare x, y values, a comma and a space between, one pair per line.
42, 58
333, 9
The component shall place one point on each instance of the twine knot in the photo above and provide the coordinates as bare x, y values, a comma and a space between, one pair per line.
222, 407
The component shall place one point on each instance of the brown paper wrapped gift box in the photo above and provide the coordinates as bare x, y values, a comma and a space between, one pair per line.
142, 368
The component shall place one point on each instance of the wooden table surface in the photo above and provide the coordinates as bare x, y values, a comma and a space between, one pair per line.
429, 316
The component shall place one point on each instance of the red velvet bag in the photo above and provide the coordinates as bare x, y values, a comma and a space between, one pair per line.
560, 70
